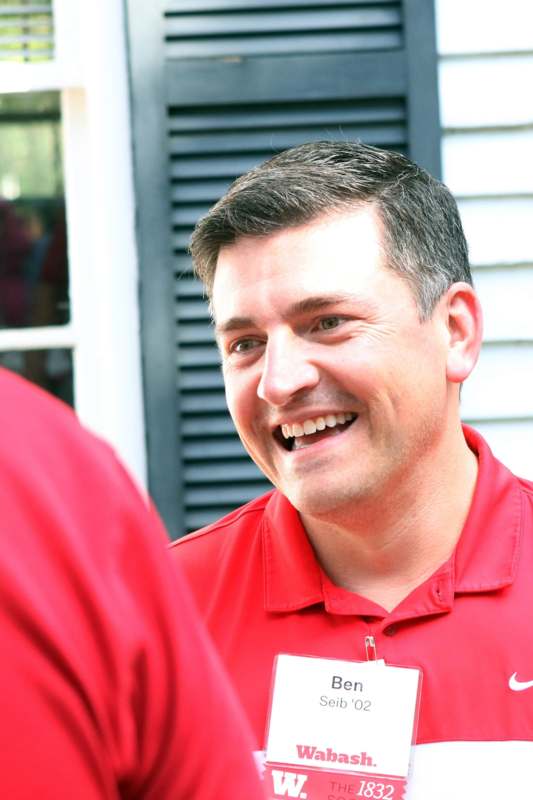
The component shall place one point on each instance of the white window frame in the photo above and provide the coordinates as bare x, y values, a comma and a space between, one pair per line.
90, 71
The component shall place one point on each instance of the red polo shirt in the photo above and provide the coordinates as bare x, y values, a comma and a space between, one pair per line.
469, 627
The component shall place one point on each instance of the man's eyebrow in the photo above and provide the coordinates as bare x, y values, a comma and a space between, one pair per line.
318, 302
233, 324
305, 306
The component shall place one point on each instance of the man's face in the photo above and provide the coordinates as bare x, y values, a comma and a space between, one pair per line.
319, 338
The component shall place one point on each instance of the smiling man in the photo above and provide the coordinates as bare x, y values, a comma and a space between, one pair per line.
346, 319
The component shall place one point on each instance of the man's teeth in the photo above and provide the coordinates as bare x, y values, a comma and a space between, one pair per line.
310, 426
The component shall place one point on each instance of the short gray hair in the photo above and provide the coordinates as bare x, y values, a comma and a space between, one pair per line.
423, 238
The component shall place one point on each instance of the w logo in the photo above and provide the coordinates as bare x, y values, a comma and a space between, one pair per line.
288, 784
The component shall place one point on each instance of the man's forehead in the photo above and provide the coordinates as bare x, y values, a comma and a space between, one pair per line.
336, 255
361, 223
362, 218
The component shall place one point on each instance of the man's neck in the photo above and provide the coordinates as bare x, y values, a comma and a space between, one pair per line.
384, 549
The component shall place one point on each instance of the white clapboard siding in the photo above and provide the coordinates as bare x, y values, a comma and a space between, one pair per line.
506, 295
503, 385
489, 163
499, 230
486, 97
482, 26
486, 91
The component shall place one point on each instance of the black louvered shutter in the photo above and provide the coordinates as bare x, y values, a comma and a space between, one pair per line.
217, 87
26, 31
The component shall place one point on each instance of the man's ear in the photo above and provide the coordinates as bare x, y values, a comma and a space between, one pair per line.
465, 330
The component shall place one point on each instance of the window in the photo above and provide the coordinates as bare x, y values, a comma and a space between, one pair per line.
68, 305
26, 30
34, 279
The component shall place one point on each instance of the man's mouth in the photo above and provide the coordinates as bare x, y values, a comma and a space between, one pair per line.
302, 434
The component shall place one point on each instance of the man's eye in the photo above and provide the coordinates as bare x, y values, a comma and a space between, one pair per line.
329, 323
244, 345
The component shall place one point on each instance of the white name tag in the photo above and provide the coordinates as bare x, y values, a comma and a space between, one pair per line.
340, 728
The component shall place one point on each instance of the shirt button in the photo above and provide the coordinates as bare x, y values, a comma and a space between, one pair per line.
437, 594
391, 630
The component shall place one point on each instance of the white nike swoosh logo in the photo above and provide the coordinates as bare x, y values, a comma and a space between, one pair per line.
519, 686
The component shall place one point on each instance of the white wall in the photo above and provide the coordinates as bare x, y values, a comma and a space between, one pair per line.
486, 96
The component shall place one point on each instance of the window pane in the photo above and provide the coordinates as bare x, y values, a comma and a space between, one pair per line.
50, 369
33, 236
26, 30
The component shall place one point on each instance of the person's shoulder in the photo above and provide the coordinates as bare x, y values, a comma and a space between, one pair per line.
527, 487
224, 554
47, 453
18, 394
525, 490
238, 523
492, 467
29, 415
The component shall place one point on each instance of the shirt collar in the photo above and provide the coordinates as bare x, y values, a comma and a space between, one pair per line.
485, 558
292, 573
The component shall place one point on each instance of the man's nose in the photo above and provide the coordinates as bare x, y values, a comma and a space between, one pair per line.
287, 370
